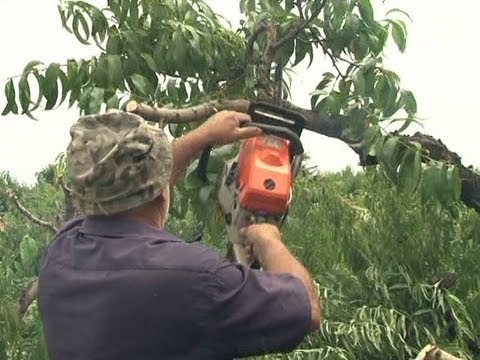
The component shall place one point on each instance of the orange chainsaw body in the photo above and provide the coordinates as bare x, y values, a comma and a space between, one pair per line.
264, 175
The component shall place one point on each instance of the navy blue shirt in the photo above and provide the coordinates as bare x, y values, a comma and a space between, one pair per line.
113, 288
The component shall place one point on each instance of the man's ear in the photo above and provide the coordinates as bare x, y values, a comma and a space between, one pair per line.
162, 197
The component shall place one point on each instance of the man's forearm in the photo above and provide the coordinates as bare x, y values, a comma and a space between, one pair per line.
279, 259
184, 149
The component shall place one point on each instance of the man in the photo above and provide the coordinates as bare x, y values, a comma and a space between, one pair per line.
115, 285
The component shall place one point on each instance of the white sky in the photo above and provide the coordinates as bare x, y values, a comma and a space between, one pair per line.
439, 66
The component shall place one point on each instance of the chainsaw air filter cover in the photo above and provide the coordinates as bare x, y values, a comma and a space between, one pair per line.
264, 175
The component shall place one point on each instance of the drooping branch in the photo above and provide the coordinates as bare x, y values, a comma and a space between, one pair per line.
437, 150
23, 210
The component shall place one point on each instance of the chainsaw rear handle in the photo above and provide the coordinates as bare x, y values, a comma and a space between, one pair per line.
295, 146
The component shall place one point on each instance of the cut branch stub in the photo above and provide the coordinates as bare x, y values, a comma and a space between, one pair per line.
431, 352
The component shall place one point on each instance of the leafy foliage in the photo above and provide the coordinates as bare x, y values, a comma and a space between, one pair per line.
393, 272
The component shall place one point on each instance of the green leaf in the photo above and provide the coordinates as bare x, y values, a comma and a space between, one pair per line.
115, 71
50, 85
24, 93
371, 136
79, 21
28, 251
31, 65
95, 100
172, 89
399, 35
396, 10
142, 85
204, 194
10, 96
113, 102
390, 156
65, 86
410, 170
366, 10
178, 47
150, 61
409, 101
454, 182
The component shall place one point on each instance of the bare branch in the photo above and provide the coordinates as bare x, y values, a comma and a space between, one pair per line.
194, 113
14, 199
301, 24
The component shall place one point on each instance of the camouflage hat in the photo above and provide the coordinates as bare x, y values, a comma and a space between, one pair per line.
116, 162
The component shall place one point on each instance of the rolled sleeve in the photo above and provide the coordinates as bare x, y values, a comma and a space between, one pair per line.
254, 312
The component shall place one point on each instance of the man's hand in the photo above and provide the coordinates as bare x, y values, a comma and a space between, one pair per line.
224, 128
274, 256
221, 128
265, 239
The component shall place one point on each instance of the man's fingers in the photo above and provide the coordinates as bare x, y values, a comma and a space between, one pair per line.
242, 118
250, 131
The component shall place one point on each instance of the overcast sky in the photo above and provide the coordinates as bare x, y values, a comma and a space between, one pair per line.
440, 66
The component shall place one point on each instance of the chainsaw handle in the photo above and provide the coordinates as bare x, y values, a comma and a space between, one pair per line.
295, 146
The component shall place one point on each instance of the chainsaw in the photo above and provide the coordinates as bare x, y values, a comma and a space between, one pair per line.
256, 185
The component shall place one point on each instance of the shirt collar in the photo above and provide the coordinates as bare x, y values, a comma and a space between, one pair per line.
116, 226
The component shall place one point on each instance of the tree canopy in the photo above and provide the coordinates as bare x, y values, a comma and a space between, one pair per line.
176, 54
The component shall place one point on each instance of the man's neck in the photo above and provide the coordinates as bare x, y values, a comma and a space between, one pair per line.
145, 215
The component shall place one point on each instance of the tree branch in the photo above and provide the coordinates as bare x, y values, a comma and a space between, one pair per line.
299, 5
264, 84
328, 126
194, 113
301, 24
14, 199
257, 30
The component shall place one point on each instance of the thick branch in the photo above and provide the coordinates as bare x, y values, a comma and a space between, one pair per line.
330, 126
14, 199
